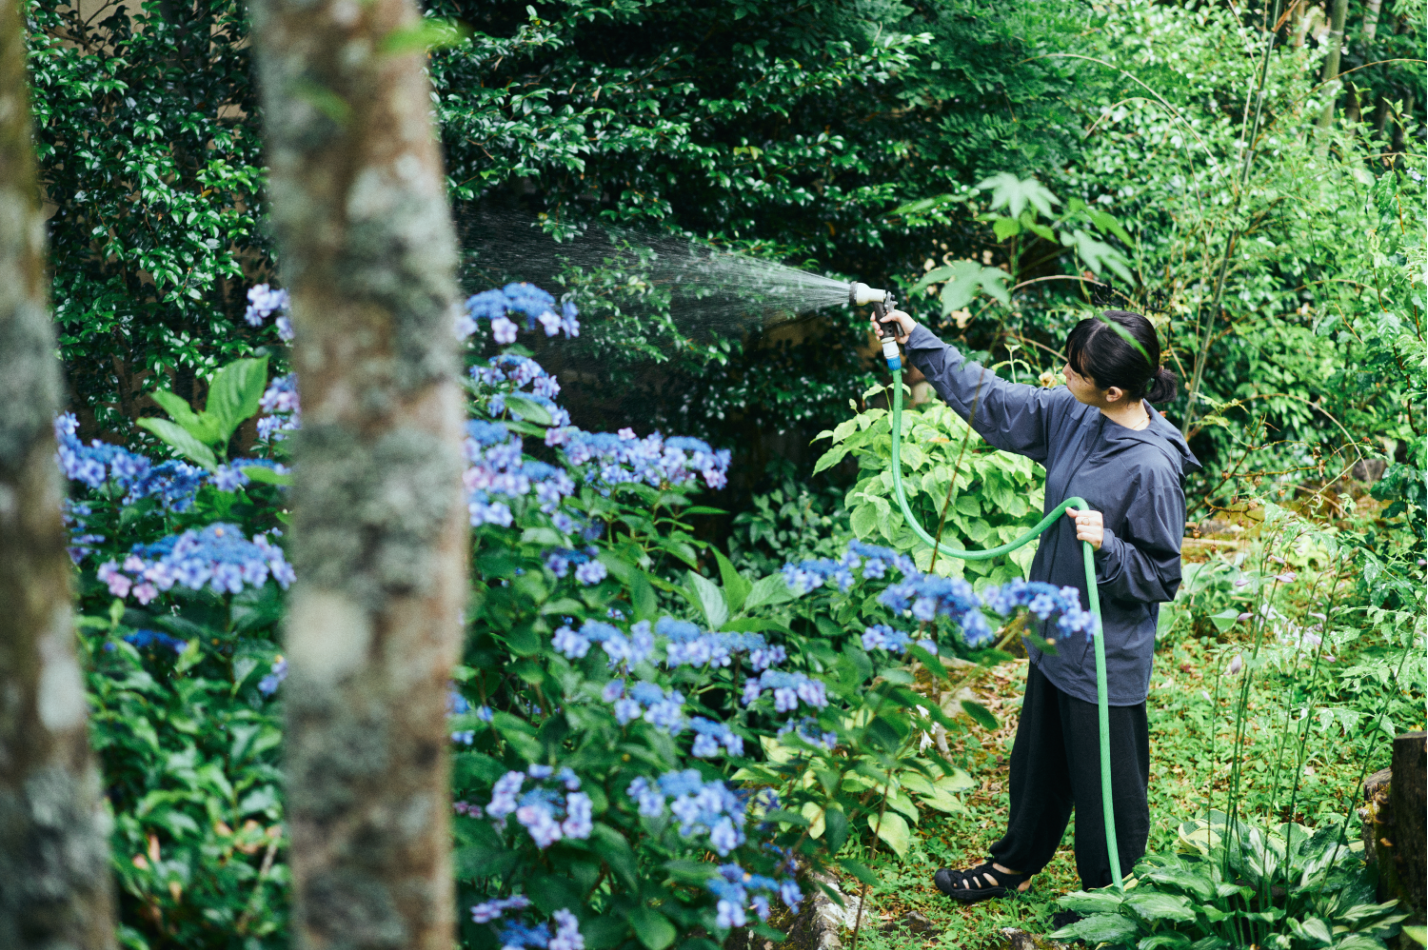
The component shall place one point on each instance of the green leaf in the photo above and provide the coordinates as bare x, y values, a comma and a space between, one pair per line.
177, 437
1315, 929
550, 893
1152, 905
1199, 886
767, 591
736, 586
864, 520
615, 851
1107, 222
935, 276
642, 596
1100, 928
860, 871
1005, 228
234, 394
1015, 194
892, 828
1098, 254
265, 475
177, 407
603, 932
1225, 619
981, 715
830, 458
835, 828
994, 281
962, 285
528, 409
426, 34
653, 928
710, 599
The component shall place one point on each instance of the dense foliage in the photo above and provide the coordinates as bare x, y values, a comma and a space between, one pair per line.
656, 738
821, 134
148, 147
617, 717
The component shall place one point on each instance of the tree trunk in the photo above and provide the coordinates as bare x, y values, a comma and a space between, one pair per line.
54, 852
1409, 803
1310, 15
1380, 116
1335, 39
368, 253
1371, 21
1351, 107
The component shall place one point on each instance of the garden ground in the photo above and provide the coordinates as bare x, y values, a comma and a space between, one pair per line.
1187, 761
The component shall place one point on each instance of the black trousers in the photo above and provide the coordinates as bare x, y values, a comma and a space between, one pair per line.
1056, 766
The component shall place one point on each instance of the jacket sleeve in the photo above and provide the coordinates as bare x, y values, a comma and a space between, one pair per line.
1142, 564
1013, 417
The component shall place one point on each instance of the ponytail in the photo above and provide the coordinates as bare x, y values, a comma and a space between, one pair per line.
1161, 387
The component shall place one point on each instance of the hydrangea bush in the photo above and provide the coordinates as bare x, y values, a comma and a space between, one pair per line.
648, 746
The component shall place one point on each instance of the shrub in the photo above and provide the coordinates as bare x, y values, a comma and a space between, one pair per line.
981, 498
641, 752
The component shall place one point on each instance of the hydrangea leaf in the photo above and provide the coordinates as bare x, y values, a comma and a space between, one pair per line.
528, 409
892, 828
179, 438
710, 599
653, 928
234, 394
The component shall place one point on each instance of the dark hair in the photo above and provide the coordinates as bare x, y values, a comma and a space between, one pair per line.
1108, 358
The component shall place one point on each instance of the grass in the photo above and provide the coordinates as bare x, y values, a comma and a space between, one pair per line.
1192, 730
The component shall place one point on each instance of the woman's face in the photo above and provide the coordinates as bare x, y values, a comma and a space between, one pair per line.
1082, 387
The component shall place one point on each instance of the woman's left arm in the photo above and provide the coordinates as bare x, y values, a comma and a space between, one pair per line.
1144, 564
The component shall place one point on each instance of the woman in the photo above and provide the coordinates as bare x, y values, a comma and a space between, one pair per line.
1099, 439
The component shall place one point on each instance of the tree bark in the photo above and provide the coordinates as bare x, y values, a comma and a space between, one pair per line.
1409, 805
54, 851
1352, 112
1335, 39
1371, 21
368, 254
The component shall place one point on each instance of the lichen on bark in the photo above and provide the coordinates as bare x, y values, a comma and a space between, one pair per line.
54, 880
368, 254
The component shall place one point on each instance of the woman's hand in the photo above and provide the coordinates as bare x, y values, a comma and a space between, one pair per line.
1089, 526
905, 324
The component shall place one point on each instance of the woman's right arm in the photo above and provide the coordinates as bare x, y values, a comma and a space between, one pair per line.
1013, 417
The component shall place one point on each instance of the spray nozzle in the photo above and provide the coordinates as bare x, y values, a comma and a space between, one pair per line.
861, 294
883, 303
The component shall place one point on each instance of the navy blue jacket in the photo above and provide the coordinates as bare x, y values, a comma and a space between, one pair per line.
1136, 479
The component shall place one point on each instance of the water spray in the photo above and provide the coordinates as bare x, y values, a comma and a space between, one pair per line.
883, 304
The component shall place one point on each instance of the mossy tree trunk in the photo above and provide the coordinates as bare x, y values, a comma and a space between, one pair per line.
54, 854
367, 250
1335, 39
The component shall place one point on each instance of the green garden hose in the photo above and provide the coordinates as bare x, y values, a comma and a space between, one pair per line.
1103, 711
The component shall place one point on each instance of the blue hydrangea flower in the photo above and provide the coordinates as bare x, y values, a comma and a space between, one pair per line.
269, 684
492, 910
217, 557
702, 808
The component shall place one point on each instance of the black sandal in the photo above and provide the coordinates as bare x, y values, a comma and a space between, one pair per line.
974, 884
